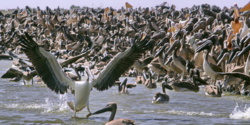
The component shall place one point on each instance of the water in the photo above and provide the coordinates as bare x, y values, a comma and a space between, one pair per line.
26, 104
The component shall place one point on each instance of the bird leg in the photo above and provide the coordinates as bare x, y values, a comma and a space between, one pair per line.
88, 115
88, 110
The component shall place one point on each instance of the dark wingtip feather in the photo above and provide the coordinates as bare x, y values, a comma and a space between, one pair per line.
29, 47
111, 73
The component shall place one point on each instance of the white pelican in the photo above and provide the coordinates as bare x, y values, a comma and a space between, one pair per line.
51, 72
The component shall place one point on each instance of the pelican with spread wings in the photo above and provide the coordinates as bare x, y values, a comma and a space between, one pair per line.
53, 76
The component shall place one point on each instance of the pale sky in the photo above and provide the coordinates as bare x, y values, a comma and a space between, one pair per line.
8, 4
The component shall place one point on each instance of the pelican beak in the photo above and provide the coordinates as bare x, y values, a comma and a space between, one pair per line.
201, 42
174, 45
246, 49
160, 51
232, 56
107, 108
164, 40
221, 54
246, 40
206, 45
169, 60
168, 87
143, 36
224, 57
165, 85
124, 82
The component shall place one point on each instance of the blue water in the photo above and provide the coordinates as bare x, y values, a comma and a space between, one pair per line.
27, 104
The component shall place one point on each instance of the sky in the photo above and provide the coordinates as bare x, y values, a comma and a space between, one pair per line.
10, 4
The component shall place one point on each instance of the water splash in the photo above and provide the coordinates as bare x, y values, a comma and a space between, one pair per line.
239, 113
56, 106
50, 105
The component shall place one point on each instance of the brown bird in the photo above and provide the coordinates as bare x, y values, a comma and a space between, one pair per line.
112, 107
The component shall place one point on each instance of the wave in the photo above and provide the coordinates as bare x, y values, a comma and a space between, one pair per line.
240, 113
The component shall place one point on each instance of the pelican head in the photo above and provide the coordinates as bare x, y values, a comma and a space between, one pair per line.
112, 107
174, 46
165, 85
123, 87
161, 50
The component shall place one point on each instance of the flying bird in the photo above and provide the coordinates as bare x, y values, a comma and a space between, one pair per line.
53, 76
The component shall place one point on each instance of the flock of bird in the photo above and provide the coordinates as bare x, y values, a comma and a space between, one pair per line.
183, 49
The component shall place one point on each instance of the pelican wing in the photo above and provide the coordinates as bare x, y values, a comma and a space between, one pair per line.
236, 74
11, 73
119, 64
46, 66
187, 85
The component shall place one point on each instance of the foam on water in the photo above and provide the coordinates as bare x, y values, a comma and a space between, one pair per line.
173, 112
190, 113
59, 105
240, 112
